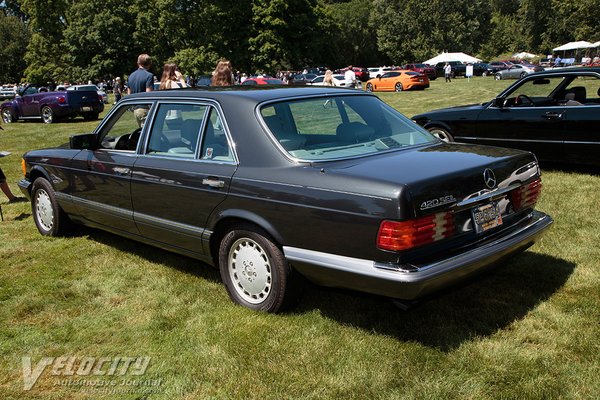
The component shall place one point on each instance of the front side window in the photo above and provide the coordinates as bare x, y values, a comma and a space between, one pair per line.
535, 92
122, 131
337, 127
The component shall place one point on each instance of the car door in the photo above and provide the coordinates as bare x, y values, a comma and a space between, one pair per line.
29, 103
387, 81
517, 123
101, 178
183, 174
582, 121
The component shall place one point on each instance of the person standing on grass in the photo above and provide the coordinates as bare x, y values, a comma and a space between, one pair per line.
350, 77
141, 80
6, 190
118, 89
223, 74
448, 72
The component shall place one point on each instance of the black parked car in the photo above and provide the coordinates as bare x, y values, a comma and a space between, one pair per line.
458, 68
555, 114
269, 183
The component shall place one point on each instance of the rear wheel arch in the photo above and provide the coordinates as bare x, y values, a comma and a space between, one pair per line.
232, 218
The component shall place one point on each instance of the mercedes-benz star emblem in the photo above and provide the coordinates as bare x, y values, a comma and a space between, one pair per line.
489, 178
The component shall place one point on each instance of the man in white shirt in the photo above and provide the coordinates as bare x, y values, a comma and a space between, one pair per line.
350, 77
448, 72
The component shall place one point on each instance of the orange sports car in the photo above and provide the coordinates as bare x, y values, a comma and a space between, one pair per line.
398, 81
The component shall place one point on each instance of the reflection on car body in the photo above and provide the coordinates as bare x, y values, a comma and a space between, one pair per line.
270, 183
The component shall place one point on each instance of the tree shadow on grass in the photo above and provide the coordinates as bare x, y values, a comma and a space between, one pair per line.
181, 263
478, 307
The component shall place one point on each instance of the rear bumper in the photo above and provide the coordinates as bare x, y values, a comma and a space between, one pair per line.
409, 281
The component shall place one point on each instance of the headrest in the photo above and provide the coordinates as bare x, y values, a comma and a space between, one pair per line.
579, 92
354, 132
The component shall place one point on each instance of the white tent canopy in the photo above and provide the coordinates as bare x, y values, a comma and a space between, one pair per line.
445, 57
597, 44
523, 55
573, 46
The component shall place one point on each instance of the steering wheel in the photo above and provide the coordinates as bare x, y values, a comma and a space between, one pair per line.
521, 97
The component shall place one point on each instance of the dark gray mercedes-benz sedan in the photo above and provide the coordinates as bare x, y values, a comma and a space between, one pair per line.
273, 184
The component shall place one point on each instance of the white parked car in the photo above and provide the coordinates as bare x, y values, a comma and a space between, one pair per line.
91, 87
338, 80
8, 92
376, 72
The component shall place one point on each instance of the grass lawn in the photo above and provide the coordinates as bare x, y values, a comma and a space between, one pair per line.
528, 330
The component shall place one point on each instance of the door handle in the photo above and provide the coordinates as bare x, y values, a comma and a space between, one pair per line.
213, 183
553, 115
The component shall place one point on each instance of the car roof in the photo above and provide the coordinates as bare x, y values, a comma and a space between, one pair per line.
247, 92
567, 71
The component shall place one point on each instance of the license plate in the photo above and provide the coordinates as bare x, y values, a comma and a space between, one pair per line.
86, 109
486, 217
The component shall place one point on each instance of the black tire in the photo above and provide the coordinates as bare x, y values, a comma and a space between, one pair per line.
498, 77
47, 115
523, 74
484, 73
433, 78
369, 87
398, 87
91, 116
8, 116
49, 218
255, 272
441, 133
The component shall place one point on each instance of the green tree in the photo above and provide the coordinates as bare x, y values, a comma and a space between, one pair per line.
351, 36
98, 39
45, 52
415, 30
14, 37
286, 34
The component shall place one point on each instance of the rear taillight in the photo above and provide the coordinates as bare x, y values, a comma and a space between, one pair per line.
61, 100
404, 235
100, 98
527, 195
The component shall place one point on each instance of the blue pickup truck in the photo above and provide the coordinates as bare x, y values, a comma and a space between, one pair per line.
37, 102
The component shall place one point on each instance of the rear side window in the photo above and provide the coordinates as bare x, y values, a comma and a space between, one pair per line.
176, 130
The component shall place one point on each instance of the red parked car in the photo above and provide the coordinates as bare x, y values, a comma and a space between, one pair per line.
423, 69
362, 74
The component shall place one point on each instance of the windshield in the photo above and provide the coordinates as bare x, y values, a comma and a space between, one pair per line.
335, 127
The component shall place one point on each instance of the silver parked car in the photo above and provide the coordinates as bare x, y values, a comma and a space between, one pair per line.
517, 71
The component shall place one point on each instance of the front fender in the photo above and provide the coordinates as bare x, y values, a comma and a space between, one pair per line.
438, 124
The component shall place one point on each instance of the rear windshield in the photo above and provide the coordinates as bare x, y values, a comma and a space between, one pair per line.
337, 127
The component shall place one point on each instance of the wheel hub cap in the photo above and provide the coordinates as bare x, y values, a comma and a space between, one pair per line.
43, 210
250, 270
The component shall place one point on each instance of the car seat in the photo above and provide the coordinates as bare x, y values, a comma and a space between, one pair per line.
289, 140
575, 96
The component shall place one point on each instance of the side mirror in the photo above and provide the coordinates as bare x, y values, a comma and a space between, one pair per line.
499, 102
86, 141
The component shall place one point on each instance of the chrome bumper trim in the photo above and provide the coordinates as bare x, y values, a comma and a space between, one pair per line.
409, 281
